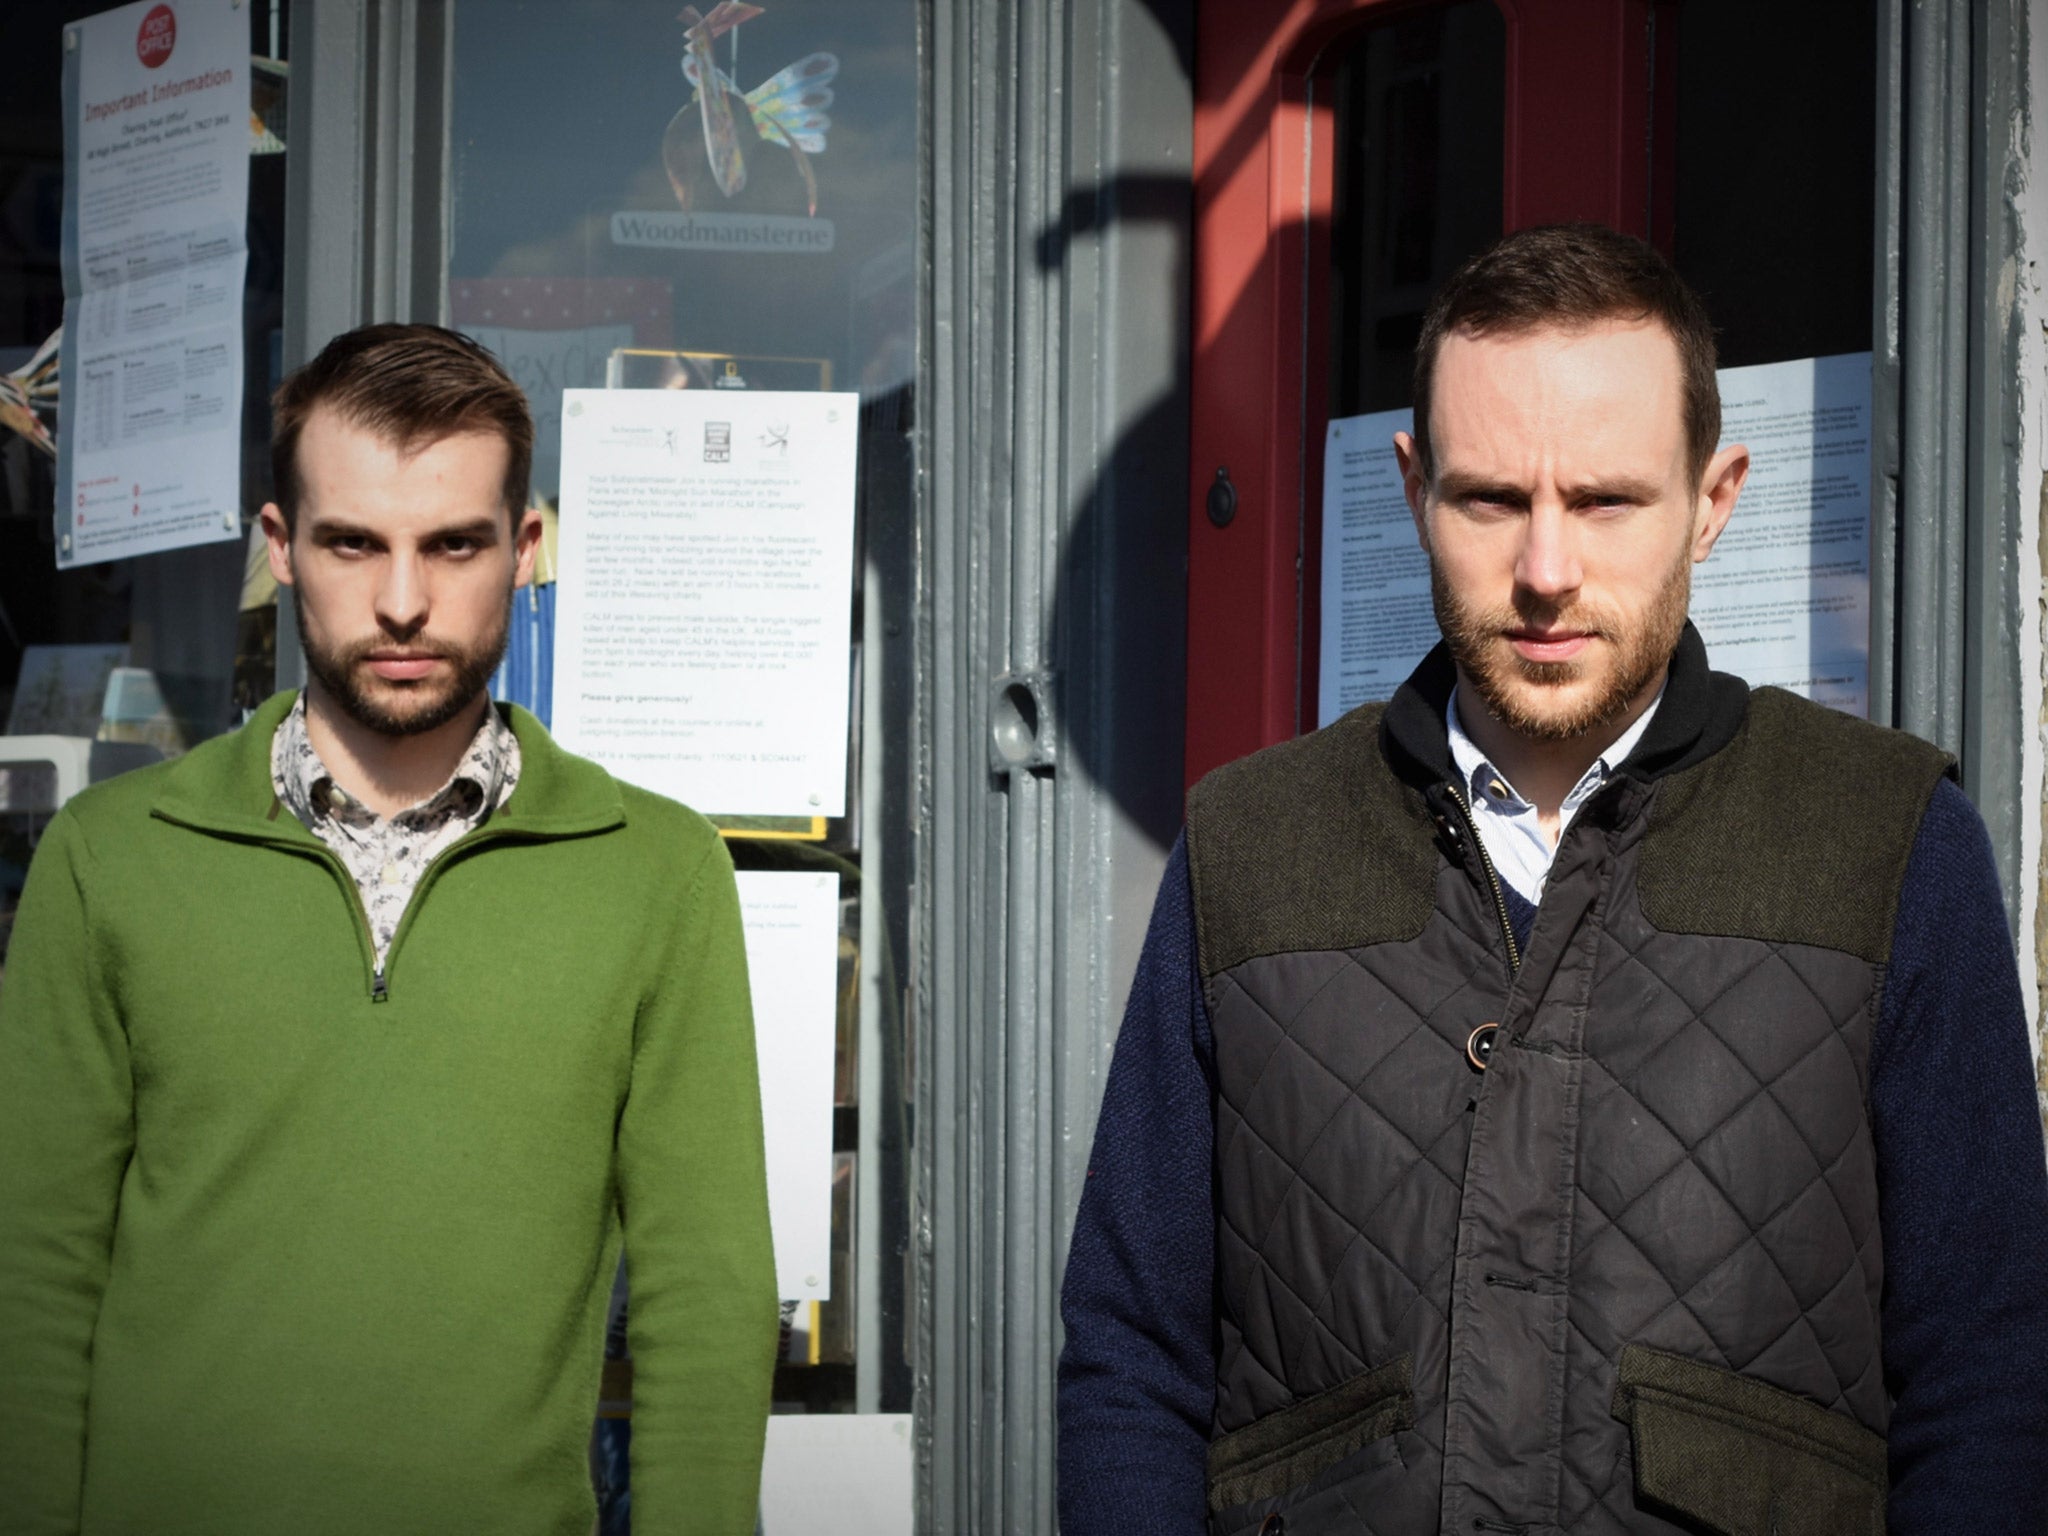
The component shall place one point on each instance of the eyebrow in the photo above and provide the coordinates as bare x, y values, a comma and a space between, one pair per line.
483, 529
1622, 487
1454, 486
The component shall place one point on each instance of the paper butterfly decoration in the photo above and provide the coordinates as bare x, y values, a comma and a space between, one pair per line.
788, 108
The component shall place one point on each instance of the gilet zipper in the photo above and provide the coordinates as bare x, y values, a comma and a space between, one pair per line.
1500, 900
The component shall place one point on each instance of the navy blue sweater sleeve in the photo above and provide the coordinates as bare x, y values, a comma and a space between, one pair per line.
1963, 1192
1137, 1378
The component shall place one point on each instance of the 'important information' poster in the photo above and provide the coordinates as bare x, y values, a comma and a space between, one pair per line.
156, 193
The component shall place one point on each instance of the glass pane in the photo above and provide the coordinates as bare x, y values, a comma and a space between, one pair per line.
1419, 133
1785, 261
613, 227
193, 622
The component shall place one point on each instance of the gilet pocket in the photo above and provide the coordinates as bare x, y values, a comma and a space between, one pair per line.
1743, 1458
1281, 1452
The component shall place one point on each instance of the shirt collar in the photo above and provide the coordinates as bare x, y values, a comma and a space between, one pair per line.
1481, 777
309, 792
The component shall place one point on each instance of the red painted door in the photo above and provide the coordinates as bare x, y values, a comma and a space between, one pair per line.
1293, 180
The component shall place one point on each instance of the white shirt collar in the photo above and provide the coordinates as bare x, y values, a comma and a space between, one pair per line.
1480, 776
1509, 827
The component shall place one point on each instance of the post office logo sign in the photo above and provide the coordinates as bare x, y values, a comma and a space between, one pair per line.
158, 36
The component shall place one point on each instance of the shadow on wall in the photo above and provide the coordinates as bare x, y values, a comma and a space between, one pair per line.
1119, 620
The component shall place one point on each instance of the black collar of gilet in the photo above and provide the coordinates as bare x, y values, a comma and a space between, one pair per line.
1701, 712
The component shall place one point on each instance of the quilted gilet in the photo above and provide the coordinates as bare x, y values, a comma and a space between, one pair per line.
1625, 1277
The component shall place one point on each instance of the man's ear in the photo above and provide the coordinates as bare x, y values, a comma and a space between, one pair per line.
526, 537
1414, 483
277, 541
1727, 472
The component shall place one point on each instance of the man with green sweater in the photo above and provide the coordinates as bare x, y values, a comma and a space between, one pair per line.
336, 1055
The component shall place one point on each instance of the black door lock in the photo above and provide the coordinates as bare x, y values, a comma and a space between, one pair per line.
1222, 498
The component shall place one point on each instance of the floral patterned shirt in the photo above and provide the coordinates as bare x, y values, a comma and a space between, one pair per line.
387, 855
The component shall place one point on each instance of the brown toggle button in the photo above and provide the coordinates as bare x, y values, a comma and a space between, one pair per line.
1272, 1525
1479, 1048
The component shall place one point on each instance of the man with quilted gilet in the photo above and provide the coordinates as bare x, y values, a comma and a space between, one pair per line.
1583, 1094
336, 1056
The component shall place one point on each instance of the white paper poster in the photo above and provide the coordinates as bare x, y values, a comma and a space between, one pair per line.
706, 593
1377, 619
792, 925
156, 191
1785, 597
849, 1474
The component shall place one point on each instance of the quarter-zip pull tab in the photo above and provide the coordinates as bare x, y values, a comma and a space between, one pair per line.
379, 992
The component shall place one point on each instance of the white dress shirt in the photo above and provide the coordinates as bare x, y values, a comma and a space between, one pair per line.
1507, 824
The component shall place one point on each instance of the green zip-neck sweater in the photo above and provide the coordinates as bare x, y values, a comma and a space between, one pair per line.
285, 1250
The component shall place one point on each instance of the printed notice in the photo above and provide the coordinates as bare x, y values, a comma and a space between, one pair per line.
1377, 620
792, 927
1785, 597
156, 190
706, 592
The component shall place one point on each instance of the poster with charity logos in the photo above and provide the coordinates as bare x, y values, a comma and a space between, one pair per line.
706, 593
156, 191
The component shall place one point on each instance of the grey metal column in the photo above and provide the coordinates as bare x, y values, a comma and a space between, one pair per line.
1933, 325
1055, 584
1993, 727
366, 174
1888, 225
1945, 592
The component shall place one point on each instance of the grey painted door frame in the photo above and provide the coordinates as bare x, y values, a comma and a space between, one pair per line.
1059, 149
1945, 587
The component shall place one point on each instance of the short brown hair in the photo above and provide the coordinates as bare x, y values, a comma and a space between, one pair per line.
412, 385
1573, 275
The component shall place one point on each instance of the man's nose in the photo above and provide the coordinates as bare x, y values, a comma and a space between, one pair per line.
1548, 565
402, 595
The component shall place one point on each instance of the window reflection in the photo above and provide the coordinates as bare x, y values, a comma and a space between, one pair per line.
1419, 135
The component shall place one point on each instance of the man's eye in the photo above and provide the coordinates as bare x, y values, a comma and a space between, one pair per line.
349, 544
460, 546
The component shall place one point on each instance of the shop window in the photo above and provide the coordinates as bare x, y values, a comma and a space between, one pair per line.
1419, 123
616, 225
131, 659
1776, 171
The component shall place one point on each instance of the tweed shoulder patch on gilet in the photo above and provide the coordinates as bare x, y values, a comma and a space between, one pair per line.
1764, 844
1308, 845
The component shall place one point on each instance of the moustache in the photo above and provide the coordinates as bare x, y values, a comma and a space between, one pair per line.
357, 652
1576, 617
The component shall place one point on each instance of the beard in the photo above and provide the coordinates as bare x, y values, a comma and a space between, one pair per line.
407, 707
1556, 701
